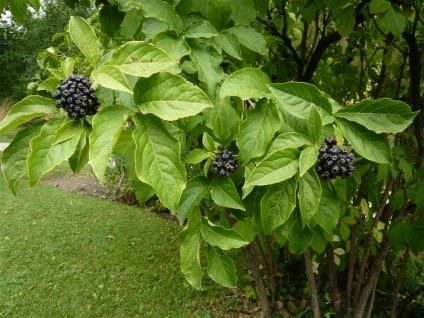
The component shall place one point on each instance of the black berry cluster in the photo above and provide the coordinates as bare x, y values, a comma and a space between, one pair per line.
76, 96
224, 163
334, 161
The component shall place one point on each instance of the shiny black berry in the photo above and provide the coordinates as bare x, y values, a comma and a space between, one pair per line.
224, 162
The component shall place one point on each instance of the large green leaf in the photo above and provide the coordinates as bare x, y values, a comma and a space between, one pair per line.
309, 195
247, 83
67, 130
278, 166
85, 38
250, 38
416, 236
217, 235
200, 29
107, 125
367, 143
257, 130
131, 23
169, 96
345, 21
224, 193
162, 11
399, 234
190, 259
243, 12
230, 44
314, 124
193, 193
297, 99
219, 13
299, 236
221, 267
110, 19
289, 140
44, 156
81, 155
158, 160
14, 157
176, 47
307, 158
395, 20
207, 61
328, 212
18, 8
277, 204
223, 120
381, 116
111, 77
28, 108
138, 58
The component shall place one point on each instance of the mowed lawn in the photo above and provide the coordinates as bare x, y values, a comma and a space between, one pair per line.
69, 255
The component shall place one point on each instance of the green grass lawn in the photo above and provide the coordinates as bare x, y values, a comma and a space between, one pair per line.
68, 255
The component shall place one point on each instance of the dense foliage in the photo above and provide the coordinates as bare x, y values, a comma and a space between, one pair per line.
185, 83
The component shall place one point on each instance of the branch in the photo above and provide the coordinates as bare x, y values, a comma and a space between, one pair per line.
312, 284
334, 288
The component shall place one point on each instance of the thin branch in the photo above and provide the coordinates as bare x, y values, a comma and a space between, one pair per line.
399, 282
334, 287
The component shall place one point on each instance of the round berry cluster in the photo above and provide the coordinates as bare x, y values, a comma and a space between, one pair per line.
76, 96
224, 163
334, 161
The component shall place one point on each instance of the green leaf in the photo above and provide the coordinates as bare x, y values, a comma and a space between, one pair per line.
381, 116
68, 66
278, 166
379, 6
299, 237
44, 156
107, 125
169, 97
307, 158
219, 13
367, 143
277, 204
217, 235
3, 4
419, 199
344, 231
67, 131
230, 44
195, 190
223, 120
131, 23
309, 195
221, 267
158, 160
49, 85
207, 61
139, 59
14, 157
18, 8
288, 140
399, 234
395, 20
190, 259
84, 37
247, 83
345, 21
250, 38
81, 155
176, 47
196, 156
224, 193
29, 108
208, 142
298, 98
143, 192
243, 12
314, 124
416, 236
110, 19
162, 11
246, 228
328, 212
257, 130
57, 73
111, 77
200, 29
